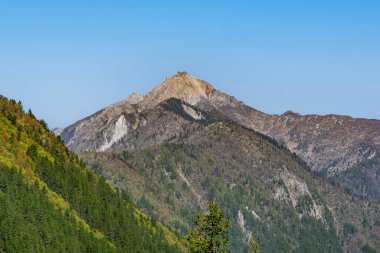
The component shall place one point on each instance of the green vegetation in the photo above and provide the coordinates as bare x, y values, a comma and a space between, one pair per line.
50, 202
255, 248
30, 223
349, 229
171, 181
210, 234
368, 249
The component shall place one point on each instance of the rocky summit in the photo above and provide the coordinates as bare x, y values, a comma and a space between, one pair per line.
341, 148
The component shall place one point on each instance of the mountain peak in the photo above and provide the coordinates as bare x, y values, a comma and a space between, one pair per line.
181, 86
135, 98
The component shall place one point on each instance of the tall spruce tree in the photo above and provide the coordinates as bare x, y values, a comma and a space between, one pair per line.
210, 233
255, 248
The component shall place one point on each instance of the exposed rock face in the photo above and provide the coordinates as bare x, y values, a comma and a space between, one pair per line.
96, 131
113, 134
135, 98
181, 86
328, 143
342, 148
57, 131
292, 190
242, 225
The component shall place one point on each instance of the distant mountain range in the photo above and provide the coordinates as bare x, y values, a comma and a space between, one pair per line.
300, 183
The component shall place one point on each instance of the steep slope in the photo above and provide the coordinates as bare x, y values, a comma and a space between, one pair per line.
100, 130
264, 188
50, 202
341, 148
338, 147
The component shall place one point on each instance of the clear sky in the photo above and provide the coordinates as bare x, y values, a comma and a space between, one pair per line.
68, 59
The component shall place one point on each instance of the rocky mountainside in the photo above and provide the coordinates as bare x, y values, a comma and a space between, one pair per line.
177, 161
341, 148
174, 154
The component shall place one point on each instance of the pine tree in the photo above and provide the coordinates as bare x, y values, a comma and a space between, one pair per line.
210, 234
254, 246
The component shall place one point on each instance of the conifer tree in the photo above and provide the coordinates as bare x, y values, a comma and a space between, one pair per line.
210, 233
254, 246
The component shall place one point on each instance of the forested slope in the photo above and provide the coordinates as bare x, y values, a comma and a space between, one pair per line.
50, 202
262, 187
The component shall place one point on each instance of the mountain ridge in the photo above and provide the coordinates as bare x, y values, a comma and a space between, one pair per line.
191, 118
213, 158
312, 137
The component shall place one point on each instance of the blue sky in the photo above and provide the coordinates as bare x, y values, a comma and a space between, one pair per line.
68, 59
